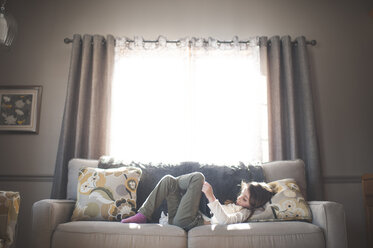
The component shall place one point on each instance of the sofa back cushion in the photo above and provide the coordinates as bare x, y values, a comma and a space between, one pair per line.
218, 176
278, 170
75, 165
272, 171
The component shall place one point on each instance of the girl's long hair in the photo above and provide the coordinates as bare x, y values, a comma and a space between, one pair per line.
260, 194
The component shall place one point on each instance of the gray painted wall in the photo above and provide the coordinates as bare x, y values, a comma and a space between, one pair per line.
341, 62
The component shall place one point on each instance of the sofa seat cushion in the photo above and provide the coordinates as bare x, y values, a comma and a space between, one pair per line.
259, 235
114, 234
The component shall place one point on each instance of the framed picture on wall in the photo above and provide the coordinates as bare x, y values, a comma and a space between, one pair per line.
20, 108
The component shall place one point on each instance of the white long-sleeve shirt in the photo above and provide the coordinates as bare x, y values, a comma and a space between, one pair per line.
227, 214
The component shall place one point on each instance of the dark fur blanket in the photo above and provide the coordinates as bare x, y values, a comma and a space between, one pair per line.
225, 180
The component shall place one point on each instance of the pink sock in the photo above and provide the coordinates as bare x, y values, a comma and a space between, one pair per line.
137, 218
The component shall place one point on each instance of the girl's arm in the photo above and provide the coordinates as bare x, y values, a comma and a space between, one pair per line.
218, 211
209, 193
223, 217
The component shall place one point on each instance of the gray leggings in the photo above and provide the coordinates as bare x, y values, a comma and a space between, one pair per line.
182, 194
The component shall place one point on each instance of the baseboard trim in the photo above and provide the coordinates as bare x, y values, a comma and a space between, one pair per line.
342, 179
26, 178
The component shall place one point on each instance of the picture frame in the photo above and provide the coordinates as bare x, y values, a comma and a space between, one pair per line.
20, 109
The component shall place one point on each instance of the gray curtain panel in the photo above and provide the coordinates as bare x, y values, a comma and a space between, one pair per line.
292, 127
85, 124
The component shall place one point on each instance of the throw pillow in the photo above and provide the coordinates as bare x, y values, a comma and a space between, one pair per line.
9, 209
287, 204
106, 194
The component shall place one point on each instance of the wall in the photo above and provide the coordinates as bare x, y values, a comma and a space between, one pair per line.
341, 63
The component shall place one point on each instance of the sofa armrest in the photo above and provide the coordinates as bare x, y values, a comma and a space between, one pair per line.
46, 216
330, 216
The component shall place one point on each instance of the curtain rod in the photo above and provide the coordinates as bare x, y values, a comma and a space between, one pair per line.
308, 42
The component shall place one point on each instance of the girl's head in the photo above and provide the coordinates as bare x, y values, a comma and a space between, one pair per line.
254, 195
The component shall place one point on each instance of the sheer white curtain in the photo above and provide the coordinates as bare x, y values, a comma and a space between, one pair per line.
194, 100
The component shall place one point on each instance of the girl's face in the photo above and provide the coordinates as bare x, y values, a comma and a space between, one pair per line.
243, 199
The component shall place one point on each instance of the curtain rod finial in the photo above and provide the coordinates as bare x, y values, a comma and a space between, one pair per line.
67, 40
313, 42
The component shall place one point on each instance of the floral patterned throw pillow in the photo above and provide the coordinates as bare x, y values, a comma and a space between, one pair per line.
287, 204
9, 209
106, 194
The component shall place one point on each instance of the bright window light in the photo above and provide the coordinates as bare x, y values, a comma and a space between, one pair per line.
178, 105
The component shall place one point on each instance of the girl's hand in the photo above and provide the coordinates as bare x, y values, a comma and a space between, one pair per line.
208, 191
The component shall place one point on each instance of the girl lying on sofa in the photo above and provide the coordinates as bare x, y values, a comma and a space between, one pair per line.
183, 195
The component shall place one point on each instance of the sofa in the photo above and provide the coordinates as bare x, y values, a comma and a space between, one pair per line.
52, 226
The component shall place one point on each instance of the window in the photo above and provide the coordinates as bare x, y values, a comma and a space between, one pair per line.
189, 104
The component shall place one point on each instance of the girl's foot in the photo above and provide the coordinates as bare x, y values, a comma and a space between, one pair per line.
137, 218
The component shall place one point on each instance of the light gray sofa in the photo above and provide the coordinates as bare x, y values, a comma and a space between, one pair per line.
52, 227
